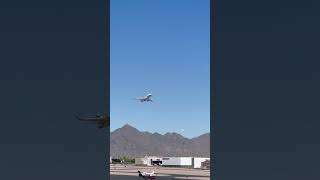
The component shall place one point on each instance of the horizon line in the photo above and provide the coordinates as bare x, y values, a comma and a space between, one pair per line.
157, 132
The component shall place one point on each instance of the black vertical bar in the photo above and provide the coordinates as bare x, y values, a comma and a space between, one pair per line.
106, 29
104, 15
212, 91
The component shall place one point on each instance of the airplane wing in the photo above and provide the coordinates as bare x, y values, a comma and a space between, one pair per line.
85, 119
149, 174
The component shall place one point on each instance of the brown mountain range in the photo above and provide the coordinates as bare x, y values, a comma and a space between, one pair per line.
130, 142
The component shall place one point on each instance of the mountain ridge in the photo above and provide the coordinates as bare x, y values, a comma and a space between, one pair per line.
129, 141
128, 126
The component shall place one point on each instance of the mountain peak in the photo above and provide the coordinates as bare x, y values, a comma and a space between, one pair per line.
127, 129
203, 135
173, 135
157, 134
128, 126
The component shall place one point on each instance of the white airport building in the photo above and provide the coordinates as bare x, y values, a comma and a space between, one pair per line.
198, 160
192, 162
177, 161
147, 160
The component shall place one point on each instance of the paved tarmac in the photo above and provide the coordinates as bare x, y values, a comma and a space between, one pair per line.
130, 172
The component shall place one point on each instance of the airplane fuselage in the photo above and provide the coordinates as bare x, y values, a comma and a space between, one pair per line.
101, 121
145, 99
146, 175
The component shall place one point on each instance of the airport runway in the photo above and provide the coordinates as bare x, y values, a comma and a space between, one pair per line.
121, 172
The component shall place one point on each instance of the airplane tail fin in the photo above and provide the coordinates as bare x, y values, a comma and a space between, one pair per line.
78, 117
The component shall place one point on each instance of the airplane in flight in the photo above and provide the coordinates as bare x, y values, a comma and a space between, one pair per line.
145, 98
102, 121
146, 175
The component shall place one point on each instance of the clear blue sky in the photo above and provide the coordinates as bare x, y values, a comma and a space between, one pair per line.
161, 47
